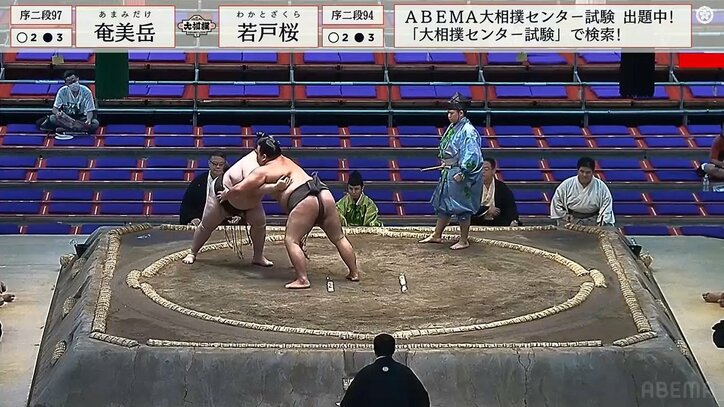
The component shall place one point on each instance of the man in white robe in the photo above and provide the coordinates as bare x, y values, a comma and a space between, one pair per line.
583, 199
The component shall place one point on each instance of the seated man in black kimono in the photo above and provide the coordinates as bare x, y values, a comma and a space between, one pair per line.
498, 206
194, 200
385, 382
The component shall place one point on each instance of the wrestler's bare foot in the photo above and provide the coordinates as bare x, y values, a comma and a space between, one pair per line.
6, 297
263, 262
3, 287
298, 284
431, 239
352, 276
189, 259
713, 297
460, 245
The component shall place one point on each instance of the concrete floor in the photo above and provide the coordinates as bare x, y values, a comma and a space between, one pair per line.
29, 266
684, 268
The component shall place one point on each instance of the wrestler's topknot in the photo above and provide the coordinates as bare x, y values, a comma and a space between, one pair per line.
269, 146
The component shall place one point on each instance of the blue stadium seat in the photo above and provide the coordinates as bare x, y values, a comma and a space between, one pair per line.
17, 174
706, 231
677, 175
608, 130
659, 130
677, 210
619, 163
273, 208
561, 131
562, 175
165, 208
182, 129
671, 196
55, 174
280, 133
417, 175
671, 163
417, 130
666, 142
636, 209
21, 194
223, 141
78, 195
168, 195
164, 174
567, 142
126, 129
626, 196
700, 129
517, 141
379, 195
369, 136
174, 141
416, 195
166, 162
121, 208
615, 142
533, 208
70, 208
516, 163
704, 141
23, 140
567, 163
22, 128
513, 130
109, 174
124, 141
48, 229
712, 197
320, 136
66, 162
530, 196
522, 175
9, 229
387, 208
19, 208
128, 195
116, 162
646, 230
625, 175
78, 141
417, 208
714, 208
372, 169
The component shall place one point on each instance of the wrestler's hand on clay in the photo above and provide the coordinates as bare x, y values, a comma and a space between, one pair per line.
282, 184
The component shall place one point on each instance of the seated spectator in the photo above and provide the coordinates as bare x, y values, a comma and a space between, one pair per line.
194, 200
385, 382
583, 199
356, 208
498, 206
74, 110
715, 167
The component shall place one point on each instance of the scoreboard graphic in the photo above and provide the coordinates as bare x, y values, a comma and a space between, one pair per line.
406, 26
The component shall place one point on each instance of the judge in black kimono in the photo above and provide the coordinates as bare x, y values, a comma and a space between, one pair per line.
498, 206
385, 382
194, 200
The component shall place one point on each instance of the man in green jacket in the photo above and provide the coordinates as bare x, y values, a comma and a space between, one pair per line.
356, 208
